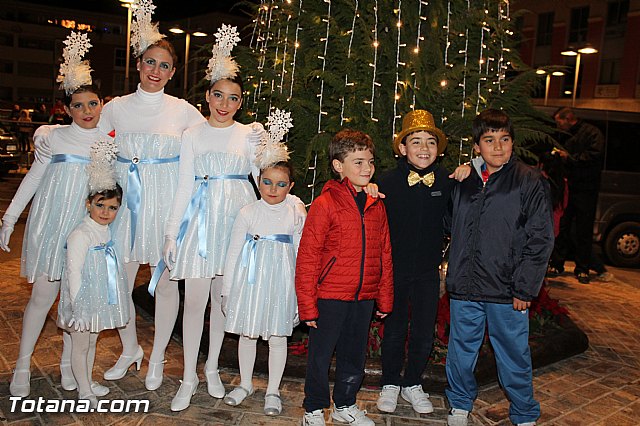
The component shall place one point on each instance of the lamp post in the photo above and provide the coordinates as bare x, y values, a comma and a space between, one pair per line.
548, 81
586, 50
127, 4
187, 44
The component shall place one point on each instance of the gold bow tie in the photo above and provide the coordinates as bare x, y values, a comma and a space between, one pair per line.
427, 179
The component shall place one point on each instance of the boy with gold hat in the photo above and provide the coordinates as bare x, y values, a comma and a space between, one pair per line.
417, 193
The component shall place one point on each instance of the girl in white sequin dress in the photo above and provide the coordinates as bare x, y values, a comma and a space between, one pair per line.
57, 183
94, 295
259, 292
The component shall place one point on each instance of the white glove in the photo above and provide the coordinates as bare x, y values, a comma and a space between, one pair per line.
223, 305
79, 324
6, 231
169, 252
257, 133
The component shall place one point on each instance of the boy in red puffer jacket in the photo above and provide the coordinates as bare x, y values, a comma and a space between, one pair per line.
343, 268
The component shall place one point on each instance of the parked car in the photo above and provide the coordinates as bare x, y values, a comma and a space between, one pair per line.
9, 154
617, 225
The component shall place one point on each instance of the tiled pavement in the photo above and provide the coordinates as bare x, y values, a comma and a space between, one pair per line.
598, 387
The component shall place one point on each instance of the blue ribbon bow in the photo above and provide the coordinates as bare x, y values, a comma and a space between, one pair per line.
112, 271
134, 186
249, 251
199, 201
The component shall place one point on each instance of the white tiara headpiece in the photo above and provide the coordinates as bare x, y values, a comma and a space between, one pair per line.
74, 71
143, 32
221, 65
271, 149
101, 169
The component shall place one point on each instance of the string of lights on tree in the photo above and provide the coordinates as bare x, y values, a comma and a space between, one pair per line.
336, 63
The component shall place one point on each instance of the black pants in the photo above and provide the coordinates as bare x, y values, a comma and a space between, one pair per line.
581, 209
343, 327
415, 306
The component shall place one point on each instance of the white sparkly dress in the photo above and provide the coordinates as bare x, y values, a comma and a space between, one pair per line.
213, 186
59, 182
260, 270
148, 127
95, 271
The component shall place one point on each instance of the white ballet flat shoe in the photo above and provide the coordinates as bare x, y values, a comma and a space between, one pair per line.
20, 383
182, 400
122, 366
67, 379
214, 384
153, 380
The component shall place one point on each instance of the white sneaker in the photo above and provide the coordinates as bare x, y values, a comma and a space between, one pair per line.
529, 423
457, 417
604, 277
388, 399
352, 415
418, 399
313, 418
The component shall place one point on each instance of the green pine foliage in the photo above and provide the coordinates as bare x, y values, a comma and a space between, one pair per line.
364, 64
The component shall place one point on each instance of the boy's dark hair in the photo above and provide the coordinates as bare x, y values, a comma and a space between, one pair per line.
166, 45
287, 166
491, 119
347, 141
107, 194
91, 88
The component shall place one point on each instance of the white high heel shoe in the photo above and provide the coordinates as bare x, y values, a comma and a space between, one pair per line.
214, 384
122, 366
67, 380
154, 375
99, 390
182, 400
93, 400
20, 383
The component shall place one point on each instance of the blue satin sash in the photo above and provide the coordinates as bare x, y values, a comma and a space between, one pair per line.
199, 202
112, 271
134, 186
69, 158
249, 251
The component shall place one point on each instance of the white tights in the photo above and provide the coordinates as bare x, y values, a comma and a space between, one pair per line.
197, 292
43, 294
167, 298
82, 358
277, 362
128, 334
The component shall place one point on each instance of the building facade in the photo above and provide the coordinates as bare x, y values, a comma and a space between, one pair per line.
608, 79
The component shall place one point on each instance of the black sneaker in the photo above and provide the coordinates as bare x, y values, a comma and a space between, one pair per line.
583, 278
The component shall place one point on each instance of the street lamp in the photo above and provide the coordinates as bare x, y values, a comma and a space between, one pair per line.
127, 4
548, 81
178, 30
586, 50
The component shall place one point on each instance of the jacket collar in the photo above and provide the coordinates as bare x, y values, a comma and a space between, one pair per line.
346, 188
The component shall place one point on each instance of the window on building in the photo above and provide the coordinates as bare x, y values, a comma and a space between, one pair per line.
579, 24
120, 57
617, 18
35, 69
609, 71
6, 66
545, 29
6, 39
118, 84
35, 43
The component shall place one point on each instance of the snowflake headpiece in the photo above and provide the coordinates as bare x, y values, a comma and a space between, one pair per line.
221, 65
271, 150
74, 72
101, 170
143, 32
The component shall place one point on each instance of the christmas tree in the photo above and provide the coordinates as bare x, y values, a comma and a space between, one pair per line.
364, 64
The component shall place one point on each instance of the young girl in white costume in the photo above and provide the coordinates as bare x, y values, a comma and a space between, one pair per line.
94, 294
259, 292
57, 182
219, 154
148, 125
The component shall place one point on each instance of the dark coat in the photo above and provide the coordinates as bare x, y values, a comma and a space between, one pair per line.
501, 234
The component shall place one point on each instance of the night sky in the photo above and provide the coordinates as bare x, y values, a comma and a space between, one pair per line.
166, 9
